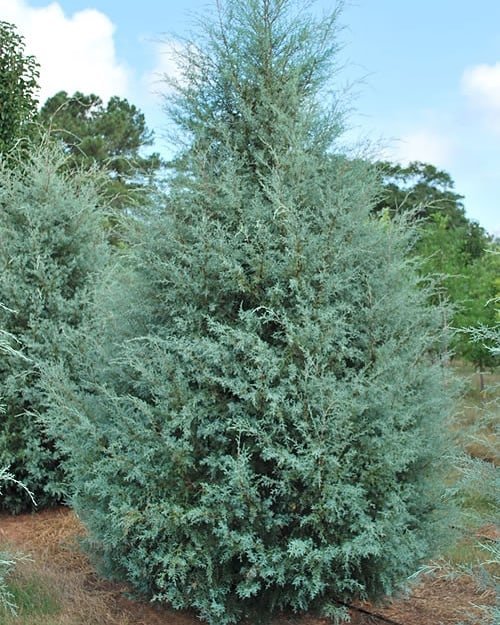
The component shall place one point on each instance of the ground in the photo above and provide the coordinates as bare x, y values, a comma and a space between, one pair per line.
71, 593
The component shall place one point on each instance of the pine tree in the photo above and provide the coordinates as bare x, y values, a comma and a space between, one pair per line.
260, 429
112, 136
50, 251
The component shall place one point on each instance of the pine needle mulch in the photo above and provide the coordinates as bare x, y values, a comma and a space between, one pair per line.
51, 537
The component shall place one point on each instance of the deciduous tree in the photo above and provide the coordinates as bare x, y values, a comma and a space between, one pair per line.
18, 86
455, 249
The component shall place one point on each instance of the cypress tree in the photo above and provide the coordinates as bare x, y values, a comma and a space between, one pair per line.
260, 429
51, 247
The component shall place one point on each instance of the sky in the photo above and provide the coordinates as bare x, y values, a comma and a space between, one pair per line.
425, 74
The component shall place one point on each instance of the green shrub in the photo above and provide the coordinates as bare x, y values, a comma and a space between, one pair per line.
51, 248
260, 428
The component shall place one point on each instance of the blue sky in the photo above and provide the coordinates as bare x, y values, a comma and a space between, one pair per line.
427, 72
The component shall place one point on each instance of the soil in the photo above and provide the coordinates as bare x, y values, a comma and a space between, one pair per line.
51, 538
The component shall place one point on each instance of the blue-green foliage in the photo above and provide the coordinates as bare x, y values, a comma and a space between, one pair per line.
260, 428
7, 560
51, 248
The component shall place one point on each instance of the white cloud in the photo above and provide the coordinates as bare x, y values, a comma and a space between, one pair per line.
424, 145
168, 65
76, 52
482, 84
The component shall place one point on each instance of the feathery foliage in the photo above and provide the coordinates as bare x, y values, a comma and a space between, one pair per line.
7, 560
51, 248
260, 428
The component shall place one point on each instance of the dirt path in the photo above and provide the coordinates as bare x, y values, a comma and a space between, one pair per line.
51, 538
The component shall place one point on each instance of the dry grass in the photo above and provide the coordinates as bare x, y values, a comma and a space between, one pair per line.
60, 574
475, 429
477, 422
65, 590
